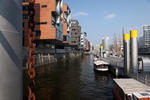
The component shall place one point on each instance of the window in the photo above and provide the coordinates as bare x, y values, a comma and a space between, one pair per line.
38, 23
73, 29
43, 23
44, 6
25, 7
24, 0
25, 16
37, 33
53, 18
64, 38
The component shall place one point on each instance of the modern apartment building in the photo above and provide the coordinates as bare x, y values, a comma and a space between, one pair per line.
75, 32
87, 45
105, 42
146, 30
66, 23
83, 41
48, 19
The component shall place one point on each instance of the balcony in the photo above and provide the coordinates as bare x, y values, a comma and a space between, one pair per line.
57, 7
65, 18
61, 30
68, 21
53, 23
68, 12
53, 19
61, 5
58, 20
69, 16
69, 34
61, 16
68, 29
57, 32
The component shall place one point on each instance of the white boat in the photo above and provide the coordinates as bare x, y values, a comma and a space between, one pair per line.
101, 66
95, 59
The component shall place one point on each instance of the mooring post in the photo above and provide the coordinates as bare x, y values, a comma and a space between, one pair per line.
42, 59
101, 50
127, 53
49, 58
134, 50
39, 59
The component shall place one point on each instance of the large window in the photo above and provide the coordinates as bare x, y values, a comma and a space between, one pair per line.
53, 18
38, 23
44, 6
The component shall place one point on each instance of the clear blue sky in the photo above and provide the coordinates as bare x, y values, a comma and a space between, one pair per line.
101, 18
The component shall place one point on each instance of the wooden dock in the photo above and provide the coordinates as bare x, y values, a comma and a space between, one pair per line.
130, 89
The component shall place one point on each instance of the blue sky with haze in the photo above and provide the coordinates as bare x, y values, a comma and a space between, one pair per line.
101, 18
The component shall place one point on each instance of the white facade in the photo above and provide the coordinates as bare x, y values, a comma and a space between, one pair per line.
83, 40
146, 30
106, 45
141, 42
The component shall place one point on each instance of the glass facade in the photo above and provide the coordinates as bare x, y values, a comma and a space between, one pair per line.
147, 36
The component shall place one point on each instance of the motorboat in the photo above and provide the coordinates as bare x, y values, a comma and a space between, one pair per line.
100, 65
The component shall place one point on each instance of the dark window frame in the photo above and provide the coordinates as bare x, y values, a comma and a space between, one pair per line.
38, 23
44, 6
37, 33
26, 16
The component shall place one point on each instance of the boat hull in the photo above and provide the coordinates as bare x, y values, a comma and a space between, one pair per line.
100, 68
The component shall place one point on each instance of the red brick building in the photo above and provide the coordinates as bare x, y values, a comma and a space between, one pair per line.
66, 23
88, 46
75, 33
48, 20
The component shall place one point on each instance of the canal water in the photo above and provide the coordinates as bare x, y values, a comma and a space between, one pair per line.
73, 79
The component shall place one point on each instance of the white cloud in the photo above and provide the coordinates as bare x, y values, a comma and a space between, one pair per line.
105, 12
110, 16
80, 14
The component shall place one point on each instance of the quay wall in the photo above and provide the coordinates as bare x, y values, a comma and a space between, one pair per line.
44, 59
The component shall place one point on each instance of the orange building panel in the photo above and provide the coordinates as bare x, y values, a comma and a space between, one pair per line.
43, 9
66, 19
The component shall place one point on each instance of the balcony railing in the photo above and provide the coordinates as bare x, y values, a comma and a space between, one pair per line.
58, 20
61, 5
57, 31
58, 7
